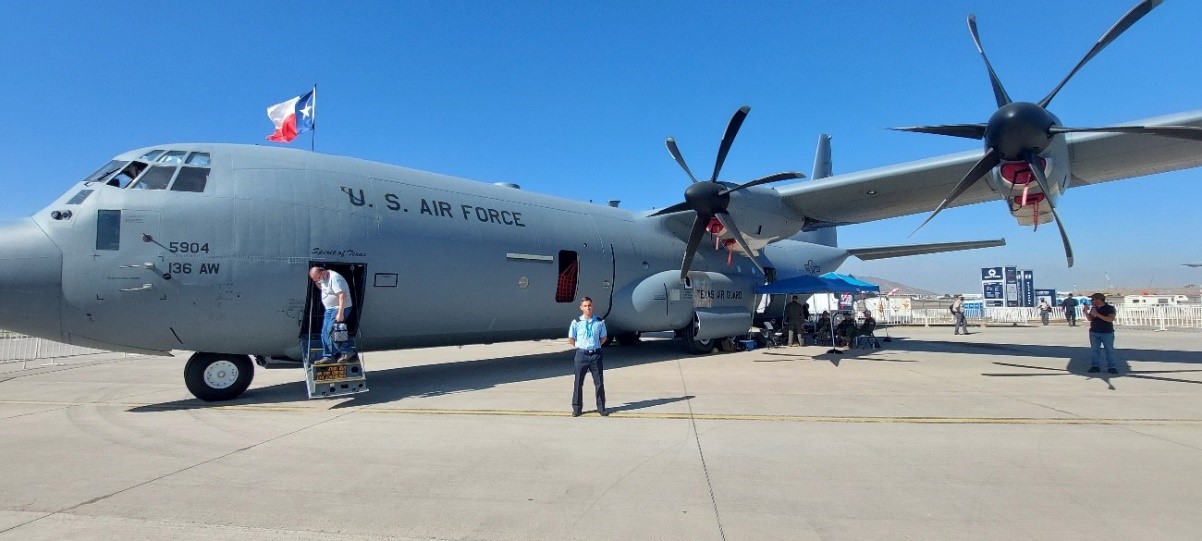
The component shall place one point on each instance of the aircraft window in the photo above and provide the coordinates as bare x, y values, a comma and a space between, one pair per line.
127, 175
150, 156
175, 156
108, 169
108, 230
157, 178
191, 179
200, 159
79, 197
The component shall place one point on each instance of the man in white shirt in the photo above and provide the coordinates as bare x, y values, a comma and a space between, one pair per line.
336, 298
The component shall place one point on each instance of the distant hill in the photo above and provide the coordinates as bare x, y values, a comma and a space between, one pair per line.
887, 285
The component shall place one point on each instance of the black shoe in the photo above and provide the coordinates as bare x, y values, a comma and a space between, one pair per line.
575, 414
348, 358
1094, 370
603, 413
1112, 370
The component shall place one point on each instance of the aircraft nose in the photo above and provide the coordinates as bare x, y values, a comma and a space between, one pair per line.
31, 280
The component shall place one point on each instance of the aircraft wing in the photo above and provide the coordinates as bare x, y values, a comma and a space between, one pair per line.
919, 186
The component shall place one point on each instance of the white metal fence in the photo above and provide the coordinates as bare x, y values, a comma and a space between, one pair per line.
19, 347
1159, 317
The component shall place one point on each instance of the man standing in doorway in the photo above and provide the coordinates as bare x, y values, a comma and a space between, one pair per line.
957, 309
336, 298
587, 334
1101, 318
1070, 310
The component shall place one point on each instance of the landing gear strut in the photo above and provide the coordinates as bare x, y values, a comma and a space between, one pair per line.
214, 377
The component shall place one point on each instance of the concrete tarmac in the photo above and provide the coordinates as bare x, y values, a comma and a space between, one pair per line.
1001, 434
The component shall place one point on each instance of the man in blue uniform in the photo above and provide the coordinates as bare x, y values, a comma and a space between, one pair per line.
587, 334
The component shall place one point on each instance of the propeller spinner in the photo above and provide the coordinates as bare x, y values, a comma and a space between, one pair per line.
709, 200
1021, 131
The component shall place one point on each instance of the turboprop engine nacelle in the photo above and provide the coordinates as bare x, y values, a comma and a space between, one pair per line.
662, 301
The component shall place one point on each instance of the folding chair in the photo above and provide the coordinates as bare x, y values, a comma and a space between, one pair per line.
771, 335
865, 337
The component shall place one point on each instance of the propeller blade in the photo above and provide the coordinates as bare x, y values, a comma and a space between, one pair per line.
1032, 160
999, 92
967, 131
691, 249
729, 224
1068, 248
728, 138
1176, 132
679, 207
675, 152
764, 180
1115, 31
990, 160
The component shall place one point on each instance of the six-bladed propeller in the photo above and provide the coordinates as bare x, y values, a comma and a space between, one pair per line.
1021, 131
709, 200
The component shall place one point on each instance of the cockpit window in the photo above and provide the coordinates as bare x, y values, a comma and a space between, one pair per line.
191, 179
174, 156
200, 159
149, 156
156, 178
127, 175
108, 169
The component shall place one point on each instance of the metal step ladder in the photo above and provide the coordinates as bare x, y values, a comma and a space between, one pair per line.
331, 380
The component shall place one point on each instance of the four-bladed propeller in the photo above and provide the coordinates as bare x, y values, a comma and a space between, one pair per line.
709, 200
1021, 131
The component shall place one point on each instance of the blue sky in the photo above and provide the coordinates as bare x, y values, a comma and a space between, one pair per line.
575, 99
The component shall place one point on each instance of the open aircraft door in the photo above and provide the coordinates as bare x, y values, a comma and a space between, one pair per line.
340, 378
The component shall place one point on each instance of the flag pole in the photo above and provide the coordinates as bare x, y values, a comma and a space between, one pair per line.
313, 135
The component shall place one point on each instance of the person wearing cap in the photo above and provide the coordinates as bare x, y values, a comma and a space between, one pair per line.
1101, 318
957, 309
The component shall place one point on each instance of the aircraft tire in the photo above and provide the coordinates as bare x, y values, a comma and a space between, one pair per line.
214, 377
694, 346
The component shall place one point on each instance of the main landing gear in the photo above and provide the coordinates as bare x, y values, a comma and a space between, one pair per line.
214, 377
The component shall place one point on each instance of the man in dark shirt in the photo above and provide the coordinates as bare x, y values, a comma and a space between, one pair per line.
1101, 318
1070, 310
796, 313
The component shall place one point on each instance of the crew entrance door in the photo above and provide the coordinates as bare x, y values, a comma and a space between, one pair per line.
344, 375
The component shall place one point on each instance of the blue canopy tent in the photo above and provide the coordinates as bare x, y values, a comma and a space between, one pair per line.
861, 285
807, 284
830, 282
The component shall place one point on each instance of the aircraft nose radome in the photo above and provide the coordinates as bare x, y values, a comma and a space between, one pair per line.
31, 279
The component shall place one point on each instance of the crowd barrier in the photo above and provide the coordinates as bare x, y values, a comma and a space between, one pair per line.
19, 347
1157, 317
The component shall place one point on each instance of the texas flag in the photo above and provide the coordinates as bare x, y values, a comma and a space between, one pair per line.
292, 117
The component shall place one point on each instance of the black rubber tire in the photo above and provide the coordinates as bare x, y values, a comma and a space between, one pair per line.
693, 346
214, 377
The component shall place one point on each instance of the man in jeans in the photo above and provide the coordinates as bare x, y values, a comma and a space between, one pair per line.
336, 298
1101, 333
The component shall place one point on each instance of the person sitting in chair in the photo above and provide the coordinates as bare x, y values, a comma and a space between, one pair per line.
823, 333
846, 330
867, 328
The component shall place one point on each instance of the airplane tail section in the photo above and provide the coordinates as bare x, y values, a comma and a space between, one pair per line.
884, 252
822, 158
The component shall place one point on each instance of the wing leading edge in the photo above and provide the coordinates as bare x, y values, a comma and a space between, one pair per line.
919, 186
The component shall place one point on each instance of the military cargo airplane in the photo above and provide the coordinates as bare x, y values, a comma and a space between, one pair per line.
205, 247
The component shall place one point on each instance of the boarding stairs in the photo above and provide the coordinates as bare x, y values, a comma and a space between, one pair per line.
331, 380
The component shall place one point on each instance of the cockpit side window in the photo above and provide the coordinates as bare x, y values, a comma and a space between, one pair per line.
191, 179
127, 175
150, 156
108, 169
155, 178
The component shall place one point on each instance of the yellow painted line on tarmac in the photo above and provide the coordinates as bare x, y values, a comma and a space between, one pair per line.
632, 414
